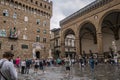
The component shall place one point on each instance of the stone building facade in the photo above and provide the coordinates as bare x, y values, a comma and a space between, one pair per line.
55, 42
96, 28
25, 27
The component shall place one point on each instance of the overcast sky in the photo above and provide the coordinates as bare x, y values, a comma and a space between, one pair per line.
64, 8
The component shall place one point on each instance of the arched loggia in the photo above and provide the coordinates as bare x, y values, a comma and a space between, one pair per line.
88, 40
70, 50
111, 33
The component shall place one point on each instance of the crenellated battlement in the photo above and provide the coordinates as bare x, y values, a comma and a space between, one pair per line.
42, 7
48, 1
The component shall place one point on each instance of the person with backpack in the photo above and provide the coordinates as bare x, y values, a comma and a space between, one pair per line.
7, 69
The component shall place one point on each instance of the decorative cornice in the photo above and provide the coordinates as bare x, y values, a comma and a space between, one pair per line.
55, 29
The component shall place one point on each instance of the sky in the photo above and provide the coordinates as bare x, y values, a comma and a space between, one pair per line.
64, 8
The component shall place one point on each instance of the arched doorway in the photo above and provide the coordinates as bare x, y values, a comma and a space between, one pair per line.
37, 53
111, 33
36, 49
88, 40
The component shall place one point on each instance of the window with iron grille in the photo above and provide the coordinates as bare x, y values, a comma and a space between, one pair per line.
24, 46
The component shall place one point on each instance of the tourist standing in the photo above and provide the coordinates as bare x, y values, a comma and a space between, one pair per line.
36, 65
17, 62
67, 65
28, 64
41, 66
23, 66
7, 69
91, 62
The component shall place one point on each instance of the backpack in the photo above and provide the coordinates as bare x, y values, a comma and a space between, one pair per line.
1, 71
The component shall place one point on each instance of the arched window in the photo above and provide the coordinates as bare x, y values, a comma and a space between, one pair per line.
5, 13
44, 23
37, 38
38, 21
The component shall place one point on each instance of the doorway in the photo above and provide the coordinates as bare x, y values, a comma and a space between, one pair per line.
37, 54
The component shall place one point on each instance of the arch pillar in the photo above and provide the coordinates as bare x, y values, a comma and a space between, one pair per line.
100, 43
77, 44
77, 40
62, 48
62, 45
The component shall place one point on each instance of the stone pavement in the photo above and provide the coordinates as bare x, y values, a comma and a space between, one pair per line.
51, 73
101, 72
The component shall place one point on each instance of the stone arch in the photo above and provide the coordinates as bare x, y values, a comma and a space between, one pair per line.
91, 29
68, 31
69, 43
84, 22
105, 14
36, 53
110, 29
88, 38
37, 49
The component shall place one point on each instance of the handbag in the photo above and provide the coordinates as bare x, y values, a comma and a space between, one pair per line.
1, 72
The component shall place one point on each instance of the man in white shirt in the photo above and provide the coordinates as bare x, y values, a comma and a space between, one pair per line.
8, 71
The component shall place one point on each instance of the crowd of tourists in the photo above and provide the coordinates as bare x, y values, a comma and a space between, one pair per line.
23, 66
9, 67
